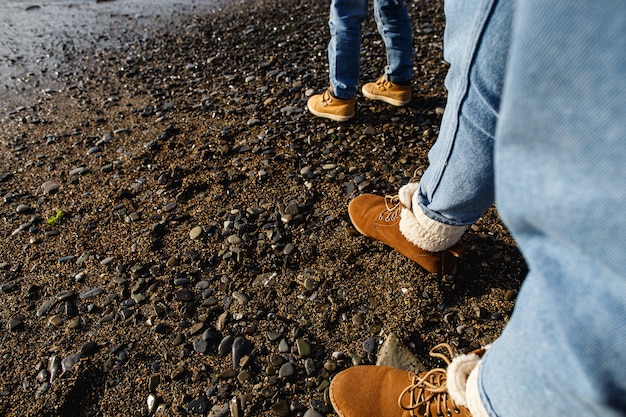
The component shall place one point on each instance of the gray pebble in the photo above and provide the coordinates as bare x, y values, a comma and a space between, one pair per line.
90, 293
50, 187
45, 307
16, 323
304, 349
198, 405
54, 367
241, 347
220, 410
225, 345
369, 345
286, 370
23, 209
200, 345
234, 239
67, 364
283, 346
170, 206
289, 249
42, 389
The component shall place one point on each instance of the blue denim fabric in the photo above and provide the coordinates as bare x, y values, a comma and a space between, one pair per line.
551, 141
344, 48
457, 188
560, 163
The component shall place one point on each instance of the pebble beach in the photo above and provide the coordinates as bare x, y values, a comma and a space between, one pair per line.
175, 237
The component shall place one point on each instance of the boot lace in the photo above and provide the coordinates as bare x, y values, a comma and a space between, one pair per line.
393, 204
394, 207
429, 389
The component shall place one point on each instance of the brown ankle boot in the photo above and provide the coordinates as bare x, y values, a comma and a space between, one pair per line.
380, 391
328, 106
392, 93
379, 218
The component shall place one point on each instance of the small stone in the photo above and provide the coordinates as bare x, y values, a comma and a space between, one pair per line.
369, 345
227, 374
200, 345
183, 295
289, 249
234, 239
90, 293
286, 370
54, 367
195, 232
283, 346
16, 323
241, 347
304, 349
153, 382
395, 354
244, 376
178, 340
88, 348
198, 405
45, 307
50, 187
179, 372
23, 209
151, 403
225, 345
509, 295
280, 409
74, 323
56, 321
138, 297
220, 410
67, 364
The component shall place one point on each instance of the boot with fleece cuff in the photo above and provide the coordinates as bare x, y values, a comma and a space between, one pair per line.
393, 221
382, 391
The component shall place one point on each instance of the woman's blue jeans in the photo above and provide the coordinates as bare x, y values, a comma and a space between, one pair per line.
344, 49
537, 112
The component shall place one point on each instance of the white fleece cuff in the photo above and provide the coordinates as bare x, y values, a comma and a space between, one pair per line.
420, 229
472, 395
457, 374
427, 233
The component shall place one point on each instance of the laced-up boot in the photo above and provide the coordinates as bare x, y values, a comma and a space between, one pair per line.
390, 220
380, 391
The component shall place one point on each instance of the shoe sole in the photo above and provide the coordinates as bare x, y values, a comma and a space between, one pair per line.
334, 117
388, 100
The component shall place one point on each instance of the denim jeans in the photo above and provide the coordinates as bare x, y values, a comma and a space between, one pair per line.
344, 48
540, 109
457, 188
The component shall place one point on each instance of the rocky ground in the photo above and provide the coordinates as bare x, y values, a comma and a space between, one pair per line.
174, 234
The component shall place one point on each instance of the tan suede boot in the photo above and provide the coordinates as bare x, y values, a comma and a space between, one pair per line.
380, 217
392, 93
380, 391
328, 106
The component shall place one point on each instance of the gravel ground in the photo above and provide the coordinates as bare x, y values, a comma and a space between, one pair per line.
174, 226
